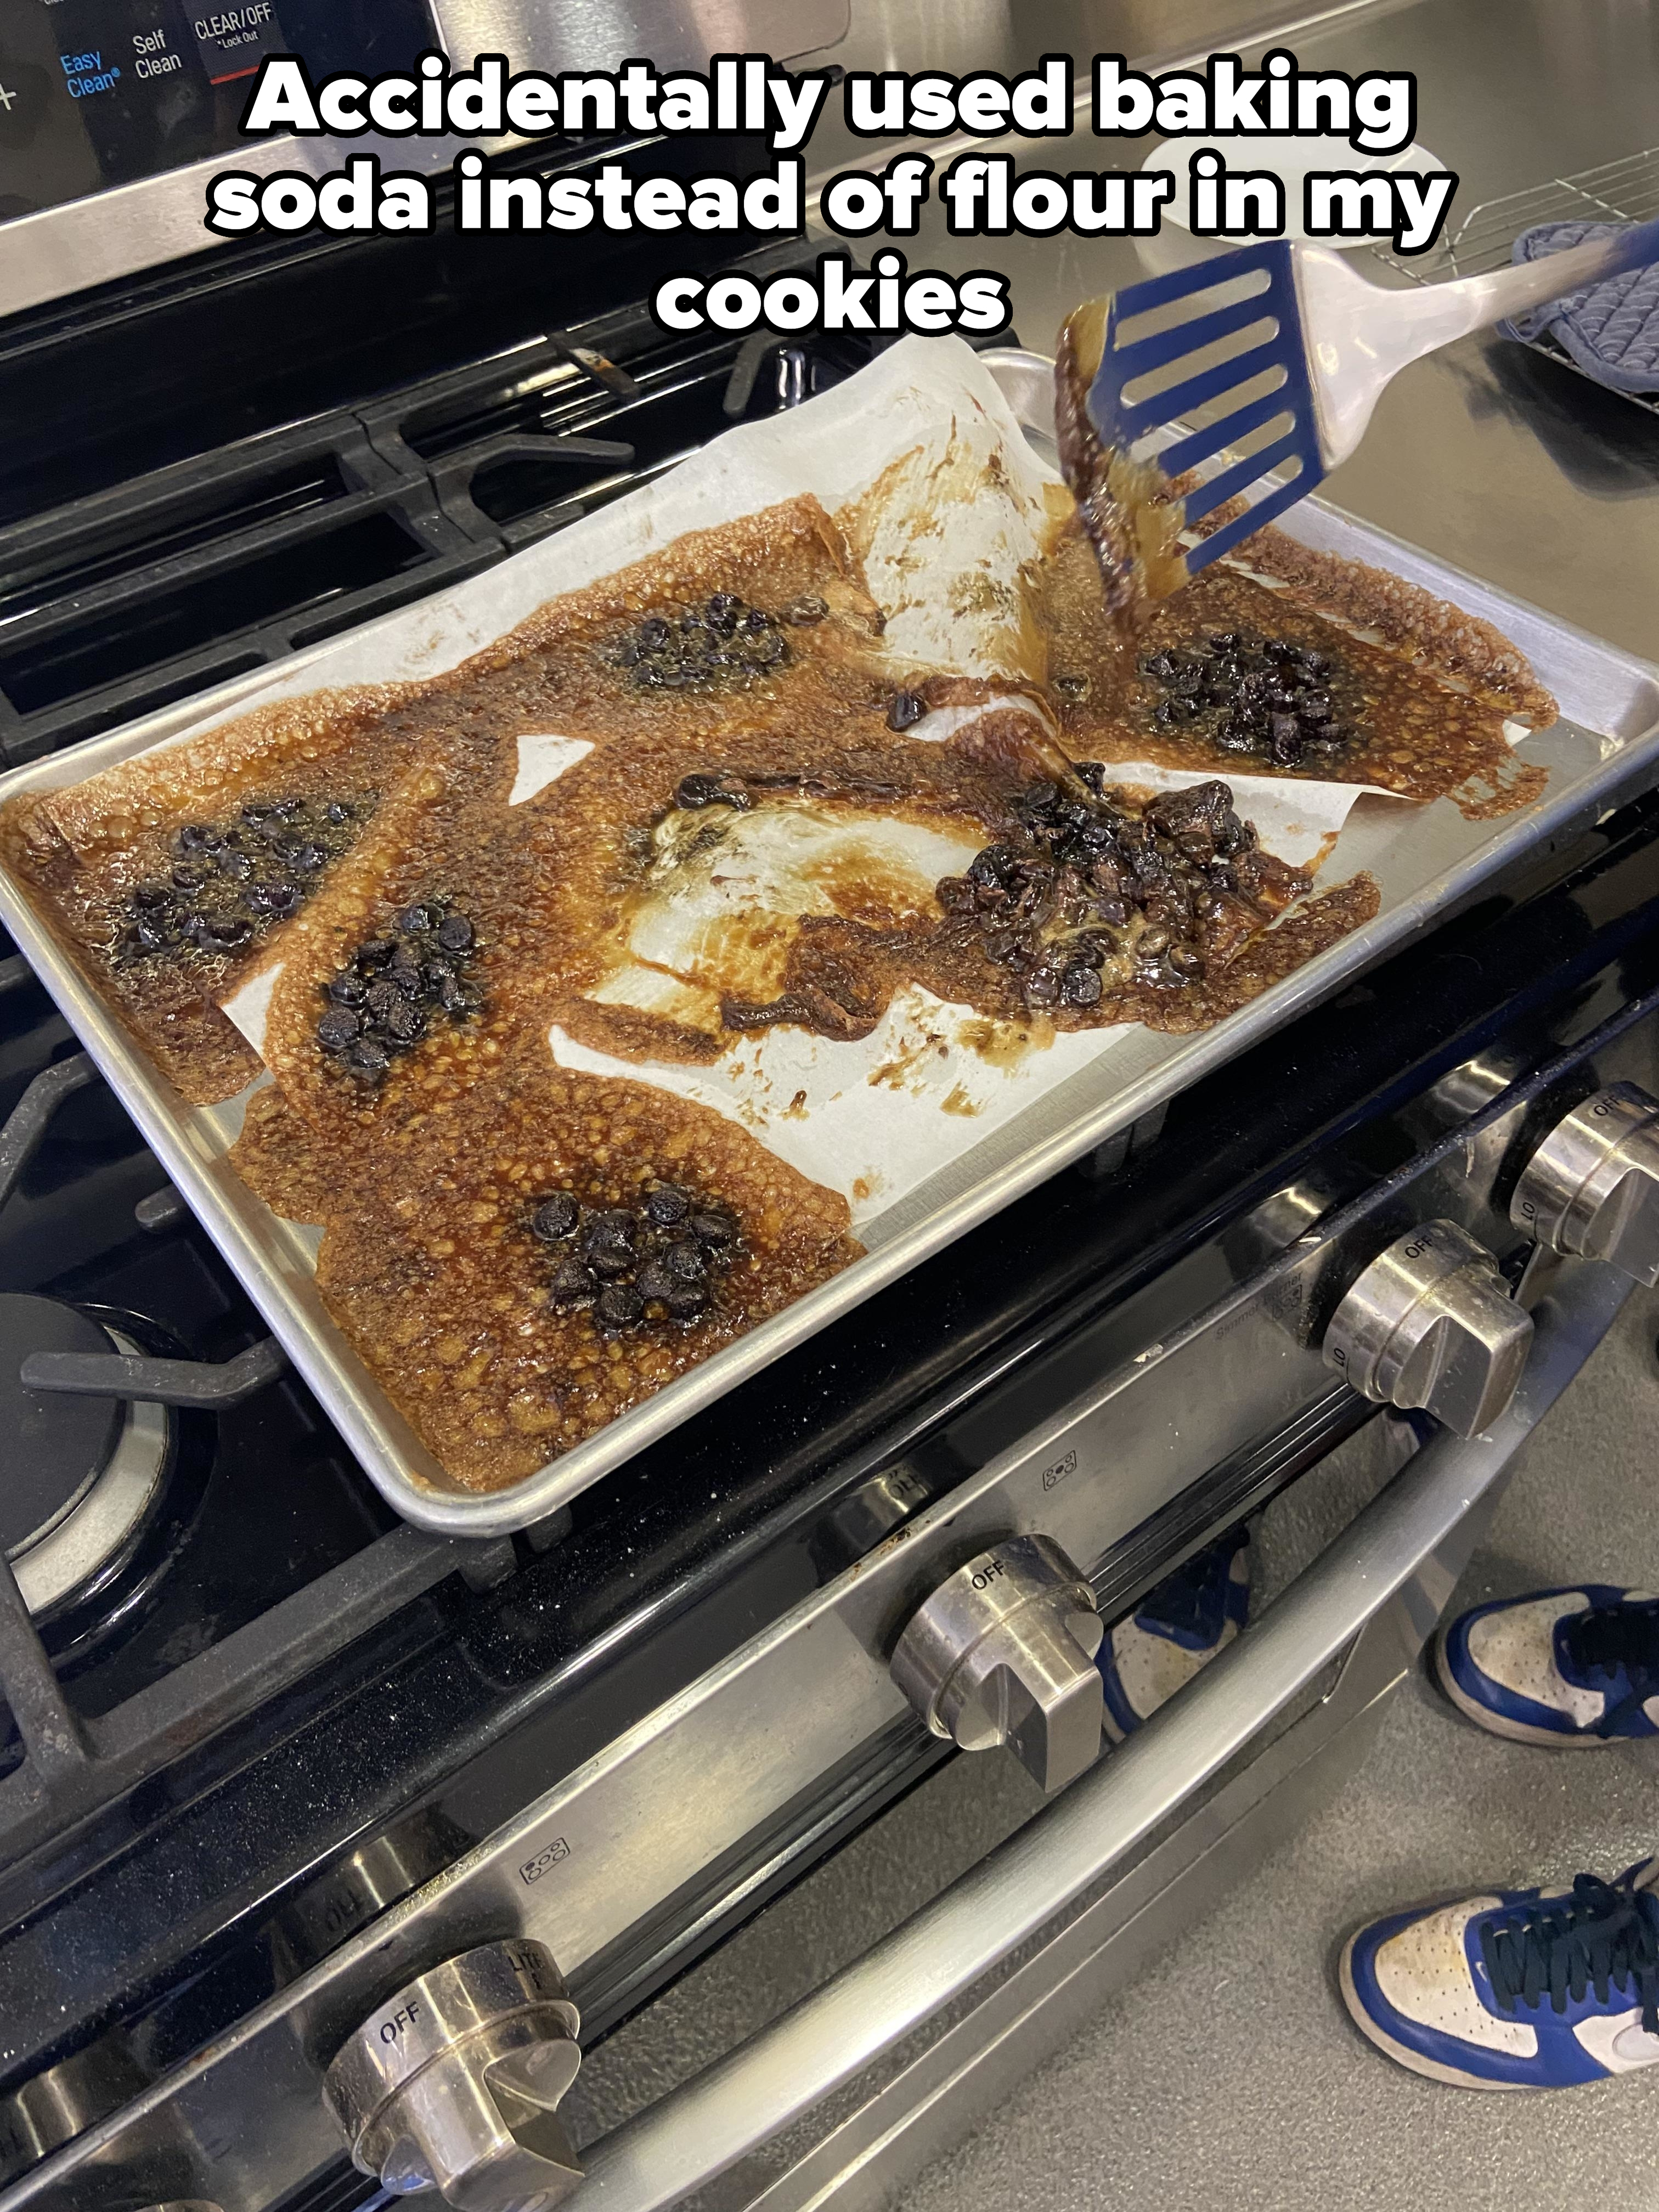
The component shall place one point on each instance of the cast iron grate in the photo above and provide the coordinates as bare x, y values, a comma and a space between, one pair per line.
128, 600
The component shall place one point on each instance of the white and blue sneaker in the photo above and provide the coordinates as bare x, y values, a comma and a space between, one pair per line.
1525, 1989
1176, 1629
1564, 1666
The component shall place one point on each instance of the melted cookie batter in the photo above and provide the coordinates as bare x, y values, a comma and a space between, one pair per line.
759, 833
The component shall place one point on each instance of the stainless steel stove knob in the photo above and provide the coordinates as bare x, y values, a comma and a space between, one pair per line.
1592, 1186
1003, 1652
453, 2084
1430, 1323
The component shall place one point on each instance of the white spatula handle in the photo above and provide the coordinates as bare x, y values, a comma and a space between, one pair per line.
1358, 335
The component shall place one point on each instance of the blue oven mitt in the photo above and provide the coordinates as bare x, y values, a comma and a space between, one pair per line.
1610, 328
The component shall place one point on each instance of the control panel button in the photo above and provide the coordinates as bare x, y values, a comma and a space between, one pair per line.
1592, 1186
1430, 1323
1003, 1653
453, 2084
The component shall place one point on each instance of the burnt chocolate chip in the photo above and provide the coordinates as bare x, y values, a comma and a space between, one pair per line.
220, 932
380, 998
571, 1282
1286, 738
653, 633
665, 1206
619, 1307
347, 989
709, 1227
686, 1261
279, 899
406, 1023
906, 710
1074, 687
148, 896
555, 1217
370, 1056
612, 1227
338, 1029
654, 1281
1080, 985
687, 1300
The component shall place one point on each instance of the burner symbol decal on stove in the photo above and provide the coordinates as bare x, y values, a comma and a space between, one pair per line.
533, 1869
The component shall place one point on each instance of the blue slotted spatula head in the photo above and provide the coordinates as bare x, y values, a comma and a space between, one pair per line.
1124, 424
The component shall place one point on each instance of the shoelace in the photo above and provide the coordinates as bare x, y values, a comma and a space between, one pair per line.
1604, 1935
1192, 1600
1609, 1636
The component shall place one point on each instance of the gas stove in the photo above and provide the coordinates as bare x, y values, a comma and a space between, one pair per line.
320, 1834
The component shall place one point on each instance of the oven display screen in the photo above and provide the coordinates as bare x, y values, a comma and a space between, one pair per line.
95, 93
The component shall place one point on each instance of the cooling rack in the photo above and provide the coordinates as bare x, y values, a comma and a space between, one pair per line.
1625, 190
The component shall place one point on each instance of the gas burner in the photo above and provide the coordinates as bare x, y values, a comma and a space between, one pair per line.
91, 1486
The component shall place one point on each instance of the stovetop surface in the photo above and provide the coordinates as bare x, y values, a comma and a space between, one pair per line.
272, 1670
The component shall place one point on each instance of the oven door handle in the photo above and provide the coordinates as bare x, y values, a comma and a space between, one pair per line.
705, 2126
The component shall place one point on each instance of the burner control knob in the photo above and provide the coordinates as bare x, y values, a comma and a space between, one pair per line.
1004, 1652
454, 2083
1592, 1186
1431, 1324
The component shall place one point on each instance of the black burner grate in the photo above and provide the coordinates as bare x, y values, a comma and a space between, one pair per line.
131, 598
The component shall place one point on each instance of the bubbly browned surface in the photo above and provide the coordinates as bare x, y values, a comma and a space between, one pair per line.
429, 1264
85, 848
1415, 734
424, 1184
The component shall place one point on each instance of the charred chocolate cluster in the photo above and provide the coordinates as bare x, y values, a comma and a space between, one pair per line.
660, 1259
721, 642
384, 1001
1280, 702
1083, 896
230, 881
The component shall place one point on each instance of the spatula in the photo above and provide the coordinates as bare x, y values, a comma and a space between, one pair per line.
1336, 340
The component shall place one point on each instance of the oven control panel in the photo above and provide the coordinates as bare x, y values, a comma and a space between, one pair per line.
97, 93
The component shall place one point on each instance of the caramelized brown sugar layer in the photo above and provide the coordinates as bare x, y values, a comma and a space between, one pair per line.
758, 834
1411, 696
87, 851
432, 1263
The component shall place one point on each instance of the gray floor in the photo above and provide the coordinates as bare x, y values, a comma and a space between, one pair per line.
1230, 2075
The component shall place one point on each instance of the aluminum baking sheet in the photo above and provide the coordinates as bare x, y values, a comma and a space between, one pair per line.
1427, 859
